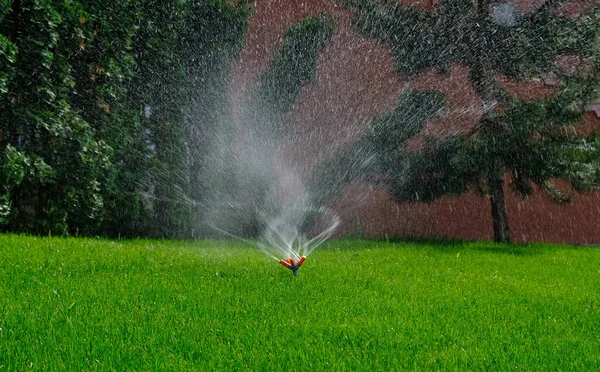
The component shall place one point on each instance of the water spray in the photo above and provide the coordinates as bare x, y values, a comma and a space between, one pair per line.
293, 226
294, 233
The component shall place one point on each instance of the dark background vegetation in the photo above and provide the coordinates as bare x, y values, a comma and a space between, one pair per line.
109, 111
96, 134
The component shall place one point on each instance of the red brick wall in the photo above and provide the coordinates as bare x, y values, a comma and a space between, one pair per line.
356, 82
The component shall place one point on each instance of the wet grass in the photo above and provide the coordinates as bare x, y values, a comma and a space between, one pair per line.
79, 304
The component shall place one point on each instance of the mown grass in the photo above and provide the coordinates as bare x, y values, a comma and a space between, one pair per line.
84, 304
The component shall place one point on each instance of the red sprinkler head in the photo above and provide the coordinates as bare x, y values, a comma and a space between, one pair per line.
285, 263
293, 265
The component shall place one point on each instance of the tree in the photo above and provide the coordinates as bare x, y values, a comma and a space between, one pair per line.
490, 38
214, 35
93, 95
51, 161
103, 66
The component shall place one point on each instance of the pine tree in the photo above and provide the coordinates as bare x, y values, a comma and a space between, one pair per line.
528, 139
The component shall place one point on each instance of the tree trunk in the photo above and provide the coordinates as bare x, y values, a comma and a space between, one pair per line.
483, 80
499, 216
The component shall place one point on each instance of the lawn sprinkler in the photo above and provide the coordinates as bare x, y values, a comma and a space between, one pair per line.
293, 265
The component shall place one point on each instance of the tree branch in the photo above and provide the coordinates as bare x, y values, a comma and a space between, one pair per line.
547, 5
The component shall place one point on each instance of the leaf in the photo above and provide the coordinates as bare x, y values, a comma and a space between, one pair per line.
47, 58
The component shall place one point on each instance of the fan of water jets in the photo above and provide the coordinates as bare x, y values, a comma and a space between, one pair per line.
294, 227
291, 225
297, 231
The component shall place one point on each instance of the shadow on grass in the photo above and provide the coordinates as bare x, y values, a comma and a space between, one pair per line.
512, 249
450, 246
456, 245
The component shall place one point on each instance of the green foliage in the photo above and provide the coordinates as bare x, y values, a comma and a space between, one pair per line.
43, 127
583, 160
150, 141
18, 165
410, 34
8, 53
215, 34
418, 40
178, 90
103, 64
380, 156
413, 108
75, 77
215, 26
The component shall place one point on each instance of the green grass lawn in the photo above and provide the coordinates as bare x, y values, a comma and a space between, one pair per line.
81, 304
